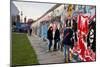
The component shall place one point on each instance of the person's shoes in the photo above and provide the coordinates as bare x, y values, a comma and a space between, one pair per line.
54, 50
49, 50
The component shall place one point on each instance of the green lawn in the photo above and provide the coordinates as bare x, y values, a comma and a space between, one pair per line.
22, 52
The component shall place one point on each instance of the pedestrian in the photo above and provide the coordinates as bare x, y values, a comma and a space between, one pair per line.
30, 31
50, 37
67, 42
56, 39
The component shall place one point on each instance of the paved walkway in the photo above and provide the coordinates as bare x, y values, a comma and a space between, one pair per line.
41, 49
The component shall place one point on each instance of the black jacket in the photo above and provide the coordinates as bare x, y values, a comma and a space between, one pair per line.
50, 34
57, 35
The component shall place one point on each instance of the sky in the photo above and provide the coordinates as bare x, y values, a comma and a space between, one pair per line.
32, 9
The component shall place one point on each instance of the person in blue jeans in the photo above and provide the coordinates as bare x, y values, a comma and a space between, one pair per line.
50, 37
67, 42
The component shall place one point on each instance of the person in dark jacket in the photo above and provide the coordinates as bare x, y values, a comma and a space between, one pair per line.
56, 39
50, 37
68, 33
